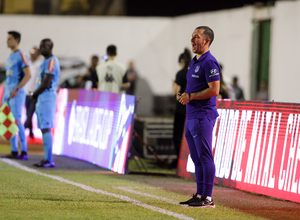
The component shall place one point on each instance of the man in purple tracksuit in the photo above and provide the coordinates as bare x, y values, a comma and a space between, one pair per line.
203, 84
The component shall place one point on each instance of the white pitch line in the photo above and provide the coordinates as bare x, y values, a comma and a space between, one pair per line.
127, 189
88, 188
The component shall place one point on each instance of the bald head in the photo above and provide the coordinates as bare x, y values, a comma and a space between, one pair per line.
46, 46
48, 42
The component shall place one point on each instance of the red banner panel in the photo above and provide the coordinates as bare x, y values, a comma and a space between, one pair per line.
256, 148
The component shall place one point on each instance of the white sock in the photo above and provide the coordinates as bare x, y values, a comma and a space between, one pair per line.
199, 196
208, 198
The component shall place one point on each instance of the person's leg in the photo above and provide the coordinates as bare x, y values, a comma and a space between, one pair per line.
192, 133
27, 105
30, 108
16, 105
22, 137
46, 112
39, 114
203, 143
178, 127
19, 104
189, 130
179, 120
48, 143
14, 144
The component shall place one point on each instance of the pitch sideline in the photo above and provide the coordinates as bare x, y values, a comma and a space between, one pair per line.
129, 189
88, 188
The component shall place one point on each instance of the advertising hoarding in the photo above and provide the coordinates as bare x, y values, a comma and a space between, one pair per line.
256, 148
97, 127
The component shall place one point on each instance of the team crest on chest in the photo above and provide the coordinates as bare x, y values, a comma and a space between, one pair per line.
10, 64
197, 69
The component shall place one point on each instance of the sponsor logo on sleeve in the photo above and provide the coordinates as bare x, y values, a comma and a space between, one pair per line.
51, 65
24, 58
214, 72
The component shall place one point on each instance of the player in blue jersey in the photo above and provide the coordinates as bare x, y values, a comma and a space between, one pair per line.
45, 98
203, 85
17, 75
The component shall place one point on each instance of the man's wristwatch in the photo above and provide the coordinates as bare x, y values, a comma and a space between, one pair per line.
17, 89
189, 97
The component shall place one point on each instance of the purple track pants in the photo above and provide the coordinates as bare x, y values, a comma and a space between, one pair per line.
198, 133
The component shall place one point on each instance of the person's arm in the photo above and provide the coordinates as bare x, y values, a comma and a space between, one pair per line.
25, 79
44, 85
82, 77
125, 83
125, 86
180, 81
242, 95
100, 79
176, 88
211, 91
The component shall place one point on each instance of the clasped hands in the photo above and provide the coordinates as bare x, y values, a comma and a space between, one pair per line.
182, 98
32, 97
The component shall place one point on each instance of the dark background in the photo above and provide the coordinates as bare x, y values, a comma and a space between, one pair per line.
163, 8
182, 7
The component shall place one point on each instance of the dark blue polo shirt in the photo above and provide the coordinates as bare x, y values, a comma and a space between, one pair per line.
202, 71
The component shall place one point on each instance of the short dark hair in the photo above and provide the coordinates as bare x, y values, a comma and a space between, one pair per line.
16, 35
50, 42
111, 50
208, 32
95, 57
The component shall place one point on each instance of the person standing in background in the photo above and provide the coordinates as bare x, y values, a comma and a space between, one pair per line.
179, 86
239, 95
131, 76
223, 93
34, 63
262, 94
200, 98
91, 75
112, 74
226, 81
17, 75
45, 96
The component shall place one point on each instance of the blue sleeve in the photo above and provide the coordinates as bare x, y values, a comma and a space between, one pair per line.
23, 60
50, 66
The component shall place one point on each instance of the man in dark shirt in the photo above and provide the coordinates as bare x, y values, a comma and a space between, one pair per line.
91, 74
239, 95
179, 85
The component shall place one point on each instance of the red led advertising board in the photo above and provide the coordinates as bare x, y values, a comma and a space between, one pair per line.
256, 148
